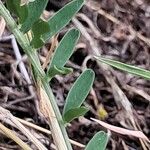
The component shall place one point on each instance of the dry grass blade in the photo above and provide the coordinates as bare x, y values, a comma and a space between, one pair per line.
119, 130
6, 115
12, 135
2, 25
29, 124
138, 92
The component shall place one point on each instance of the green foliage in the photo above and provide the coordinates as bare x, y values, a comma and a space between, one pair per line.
35, 9
75, 113
78, 93
57, 71
98, 142
38, 29
20, 11
122, 66
29, 18
62, 17
63, 53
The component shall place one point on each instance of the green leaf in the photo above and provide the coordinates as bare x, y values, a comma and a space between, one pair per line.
15, 7
63, 52
62, 17
57, 71
74, 113
65, 48
79, 90
122, 66
35, 10
98, 142
38, 29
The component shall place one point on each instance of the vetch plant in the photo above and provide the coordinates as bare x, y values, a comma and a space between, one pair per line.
31, 32
77, 95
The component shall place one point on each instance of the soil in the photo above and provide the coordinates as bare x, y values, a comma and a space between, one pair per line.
116, 29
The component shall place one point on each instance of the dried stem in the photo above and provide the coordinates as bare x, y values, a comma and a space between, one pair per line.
12, 135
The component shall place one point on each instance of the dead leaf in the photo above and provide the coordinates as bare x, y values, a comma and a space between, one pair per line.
123, 131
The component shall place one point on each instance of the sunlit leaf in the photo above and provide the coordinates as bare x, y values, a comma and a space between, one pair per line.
98, 142
74, 113
79, 90
125, 67
62, 17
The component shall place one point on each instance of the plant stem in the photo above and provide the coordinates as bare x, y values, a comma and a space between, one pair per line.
31, 53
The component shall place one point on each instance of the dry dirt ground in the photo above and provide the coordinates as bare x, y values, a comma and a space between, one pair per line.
117, 29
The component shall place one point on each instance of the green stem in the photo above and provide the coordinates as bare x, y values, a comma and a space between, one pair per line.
31, 53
